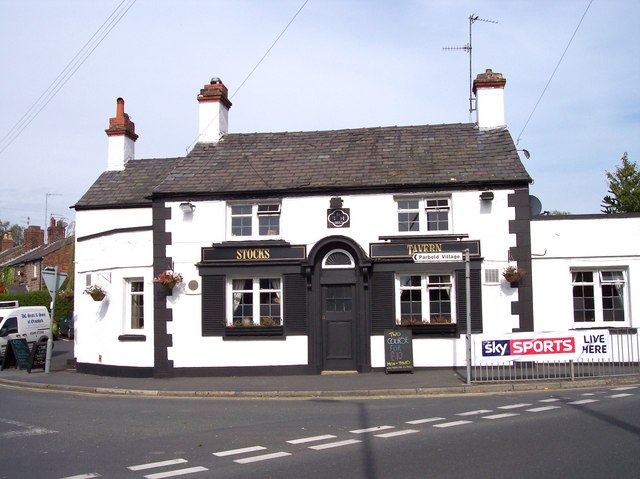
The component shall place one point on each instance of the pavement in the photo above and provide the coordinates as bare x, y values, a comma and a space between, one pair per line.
377, 384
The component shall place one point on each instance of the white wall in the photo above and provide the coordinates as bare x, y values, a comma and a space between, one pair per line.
561, 244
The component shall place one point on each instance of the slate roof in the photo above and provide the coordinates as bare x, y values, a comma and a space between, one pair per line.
128, 188
38, 253
365, 159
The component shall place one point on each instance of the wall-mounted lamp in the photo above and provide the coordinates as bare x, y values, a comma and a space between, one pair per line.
526, 153
187, 207
486, 196
335, 202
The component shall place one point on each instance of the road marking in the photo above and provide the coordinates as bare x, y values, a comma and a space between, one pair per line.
177, 472
452, 424
621, 395
311, 439
474, 413
264, 457
501, 416
550, 400
404, 432
334, 444
151, 465
239, 451
27, 429
428, 419
543, 408
624, 388
583, 401
514, 406
84, 476
588, 394
371, 429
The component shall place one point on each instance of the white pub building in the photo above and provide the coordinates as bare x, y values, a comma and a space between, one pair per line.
298, 250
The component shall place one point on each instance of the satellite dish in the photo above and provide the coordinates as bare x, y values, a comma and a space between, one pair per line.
535, 206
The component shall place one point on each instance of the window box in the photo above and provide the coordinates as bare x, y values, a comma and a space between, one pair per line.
448, 330
240, 331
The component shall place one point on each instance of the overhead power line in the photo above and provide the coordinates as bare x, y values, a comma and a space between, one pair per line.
554, 71
257, 64
66, 74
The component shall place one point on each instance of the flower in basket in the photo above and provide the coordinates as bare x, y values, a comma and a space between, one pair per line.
168, 279
513, 274
97, 292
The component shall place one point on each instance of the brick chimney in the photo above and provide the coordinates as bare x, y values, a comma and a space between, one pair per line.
122, 139
488, 88
33, 237
55, 231
7, 241
214, 107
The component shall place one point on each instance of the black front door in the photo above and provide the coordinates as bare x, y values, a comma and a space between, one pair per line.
338, 328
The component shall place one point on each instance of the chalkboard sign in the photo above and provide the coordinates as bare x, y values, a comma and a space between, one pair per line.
398, 350
17, 354
38, 358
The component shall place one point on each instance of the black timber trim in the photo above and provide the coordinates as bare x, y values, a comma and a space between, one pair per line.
133, 229
162, 366
519, 200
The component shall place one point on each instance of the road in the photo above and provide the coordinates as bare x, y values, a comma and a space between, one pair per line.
570, 433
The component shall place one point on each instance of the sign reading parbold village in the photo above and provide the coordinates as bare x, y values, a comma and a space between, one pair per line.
236, 254
424, 251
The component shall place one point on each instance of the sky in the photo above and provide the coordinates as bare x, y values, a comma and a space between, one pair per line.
339, 64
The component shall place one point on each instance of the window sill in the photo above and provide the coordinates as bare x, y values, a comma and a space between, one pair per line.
132, 337
447, 330
251, 332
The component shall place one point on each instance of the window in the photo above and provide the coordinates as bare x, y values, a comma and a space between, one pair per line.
437, 210
264, 218
435, 215
135, 310
424, 299
255, 302
598, 296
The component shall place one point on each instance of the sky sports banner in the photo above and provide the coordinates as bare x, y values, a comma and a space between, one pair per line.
558, 346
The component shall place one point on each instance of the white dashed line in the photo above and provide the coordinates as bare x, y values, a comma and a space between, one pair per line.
624, 388
514, 406
404, 432
90, 475
177, 472
151, 465
452, 424
550, 400
329, 445
621, 395
583, 401
264, 457
26, 429
543, 408
425, 420
501, 416
231, 452
474, 413
371, 429
311, 439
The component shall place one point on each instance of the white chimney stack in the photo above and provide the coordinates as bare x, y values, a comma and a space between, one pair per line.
122, 139
214, 111
488, 88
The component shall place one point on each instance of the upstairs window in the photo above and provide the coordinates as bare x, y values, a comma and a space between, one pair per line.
424, 215
249, 220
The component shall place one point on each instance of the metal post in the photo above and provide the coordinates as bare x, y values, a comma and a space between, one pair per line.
47, 364
467, 278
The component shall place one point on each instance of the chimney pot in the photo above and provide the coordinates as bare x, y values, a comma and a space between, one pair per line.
213, 112
122, 138
488, 88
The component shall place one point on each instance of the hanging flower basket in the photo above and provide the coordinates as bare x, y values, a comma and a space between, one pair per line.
513, 274
96, 292
168, 279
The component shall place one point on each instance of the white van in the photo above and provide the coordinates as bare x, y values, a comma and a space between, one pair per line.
32, 323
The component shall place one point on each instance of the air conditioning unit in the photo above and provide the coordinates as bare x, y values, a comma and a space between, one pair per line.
193, 286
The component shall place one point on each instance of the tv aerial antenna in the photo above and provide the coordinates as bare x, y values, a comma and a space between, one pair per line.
468, 49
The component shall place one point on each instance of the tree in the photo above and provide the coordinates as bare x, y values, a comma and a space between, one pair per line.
17, 231
624, 186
